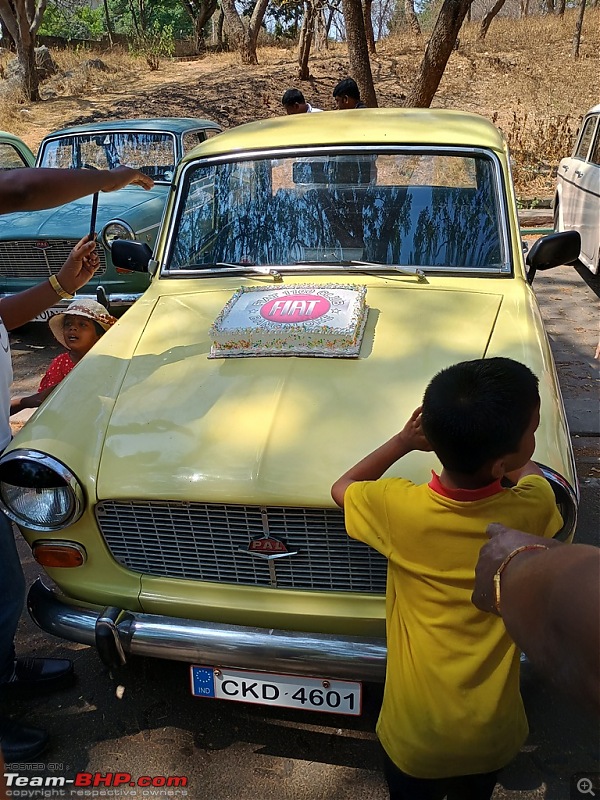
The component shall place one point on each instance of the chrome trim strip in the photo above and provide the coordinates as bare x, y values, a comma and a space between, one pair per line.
151, 635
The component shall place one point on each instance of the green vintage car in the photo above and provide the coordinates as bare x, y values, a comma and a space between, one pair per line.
176, 486
14, 153
34, 244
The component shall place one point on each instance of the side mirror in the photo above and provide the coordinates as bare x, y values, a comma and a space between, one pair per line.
130, 255
552, 251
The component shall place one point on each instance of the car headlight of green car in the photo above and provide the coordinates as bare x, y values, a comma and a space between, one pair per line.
115, 229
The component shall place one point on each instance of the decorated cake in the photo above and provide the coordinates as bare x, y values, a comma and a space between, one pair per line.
308, 319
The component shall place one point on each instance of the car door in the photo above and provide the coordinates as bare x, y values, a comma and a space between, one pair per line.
573, 174
590, 213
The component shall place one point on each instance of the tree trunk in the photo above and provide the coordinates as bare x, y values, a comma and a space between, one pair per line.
550, 6
578, 27
245, 37
109, 27
489, 16
22, 18
200, 12
26, 56
368, 20
560, 8
439, 48
220, 23
306, 35
411, 17
358, 53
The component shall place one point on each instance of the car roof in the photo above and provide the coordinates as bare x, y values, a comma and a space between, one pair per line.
593, 110
381, 126
167, 124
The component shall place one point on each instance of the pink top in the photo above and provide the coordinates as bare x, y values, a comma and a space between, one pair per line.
58, 369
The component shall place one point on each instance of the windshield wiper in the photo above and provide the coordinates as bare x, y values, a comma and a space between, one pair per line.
396, 267
277, 277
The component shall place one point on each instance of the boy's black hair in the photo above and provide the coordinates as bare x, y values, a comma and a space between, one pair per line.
291, 97
477, 411
347, 86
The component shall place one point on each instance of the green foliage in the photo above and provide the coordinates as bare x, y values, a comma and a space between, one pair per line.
129, 16
153, 44
72, 21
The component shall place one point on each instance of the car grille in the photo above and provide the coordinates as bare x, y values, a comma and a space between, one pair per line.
207, 542
28, 259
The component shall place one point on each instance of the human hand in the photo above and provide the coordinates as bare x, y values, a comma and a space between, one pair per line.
412, 436
502, 542
597, 353
80, 266
123, 176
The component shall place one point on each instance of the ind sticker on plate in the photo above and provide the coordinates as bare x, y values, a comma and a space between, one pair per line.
204, 682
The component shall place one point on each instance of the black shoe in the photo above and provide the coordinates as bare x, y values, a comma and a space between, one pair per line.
19, 742
39, 675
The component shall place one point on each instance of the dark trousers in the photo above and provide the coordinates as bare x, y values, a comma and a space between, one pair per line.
463, 787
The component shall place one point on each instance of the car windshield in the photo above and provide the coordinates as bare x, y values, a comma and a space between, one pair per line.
152, 153
366, 210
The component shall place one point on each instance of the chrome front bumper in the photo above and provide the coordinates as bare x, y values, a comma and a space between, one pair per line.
117, 633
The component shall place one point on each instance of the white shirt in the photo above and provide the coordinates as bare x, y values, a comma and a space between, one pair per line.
311, 109
6, 377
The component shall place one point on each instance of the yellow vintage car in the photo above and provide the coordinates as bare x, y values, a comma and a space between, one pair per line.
176, 485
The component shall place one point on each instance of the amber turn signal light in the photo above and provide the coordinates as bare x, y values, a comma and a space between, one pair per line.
59, 554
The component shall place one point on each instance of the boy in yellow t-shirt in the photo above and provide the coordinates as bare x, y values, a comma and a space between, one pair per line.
452, 714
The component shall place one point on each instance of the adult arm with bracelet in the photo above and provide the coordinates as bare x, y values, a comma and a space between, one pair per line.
31, 189
549, 598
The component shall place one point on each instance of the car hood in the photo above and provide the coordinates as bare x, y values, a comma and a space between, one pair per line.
73, 219
164, 421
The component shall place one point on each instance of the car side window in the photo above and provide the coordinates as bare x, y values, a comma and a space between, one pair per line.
595, 154
10, 158
192, 138
583, 145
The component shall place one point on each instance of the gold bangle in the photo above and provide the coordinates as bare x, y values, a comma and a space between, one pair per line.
59, 289
503, 566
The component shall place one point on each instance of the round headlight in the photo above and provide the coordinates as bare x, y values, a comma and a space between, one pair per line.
39, 492
116, 230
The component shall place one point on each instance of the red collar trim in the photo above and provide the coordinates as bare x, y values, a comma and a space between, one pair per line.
464, 494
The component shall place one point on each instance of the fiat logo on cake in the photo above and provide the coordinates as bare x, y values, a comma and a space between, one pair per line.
295, 308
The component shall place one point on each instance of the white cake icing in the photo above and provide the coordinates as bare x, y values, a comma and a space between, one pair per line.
308, 319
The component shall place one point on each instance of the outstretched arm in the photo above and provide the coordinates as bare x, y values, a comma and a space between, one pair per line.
410, 438
29, 401
550, 604
35, 188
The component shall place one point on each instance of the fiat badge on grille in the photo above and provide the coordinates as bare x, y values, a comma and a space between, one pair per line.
42, 245
267, 547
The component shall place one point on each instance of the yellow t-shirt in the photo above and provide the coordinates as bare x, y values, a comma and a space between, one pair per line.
451, 703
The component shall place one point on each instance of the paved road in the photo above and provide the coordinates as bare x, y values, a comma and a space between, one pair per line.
230, 751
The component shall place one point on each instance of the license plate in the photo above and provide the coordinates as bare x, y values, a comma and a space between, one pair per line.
271, 689
45, 315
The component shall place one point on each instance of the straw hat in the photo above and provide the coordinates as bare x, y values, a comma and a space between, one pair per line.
81, 308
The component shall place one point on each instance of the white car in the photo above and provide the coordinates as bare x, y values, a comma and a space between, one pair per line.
577, 199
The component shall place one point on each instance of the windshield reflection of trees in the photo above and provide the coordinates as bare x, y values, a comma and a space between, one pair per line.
108, 150
232, 215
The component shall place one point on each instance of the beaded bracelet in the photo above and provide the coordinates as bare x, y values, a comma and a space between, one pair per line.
505, 563
54, 283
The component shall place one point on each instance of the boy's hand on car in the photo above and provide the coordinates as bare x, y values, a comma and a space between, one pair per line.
80, 266
412, 436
